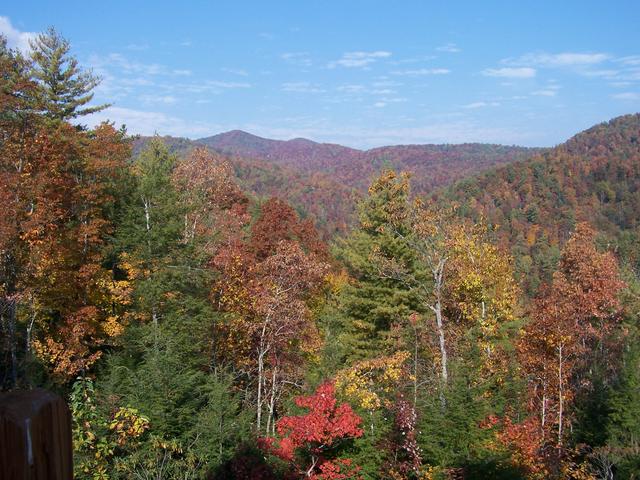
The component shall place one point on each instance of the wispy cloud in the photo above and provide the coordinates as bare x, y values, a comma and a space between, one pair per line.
149, 122
551, 90
301, 87
182, 73
236, 71
359, 59
158, 99
510, 72
383, 102
626, 96
449, 48
418, 59
475, 105
207, 86
137, 47
124, 64
15, 38
352, 88
422, 72
301, 59
376, 89
463, 131
605, 73
632, 60
551, 60
545, 93
383, 82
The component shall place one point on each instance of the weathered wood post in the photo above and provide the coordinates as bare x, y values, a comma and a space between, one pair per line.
35, 436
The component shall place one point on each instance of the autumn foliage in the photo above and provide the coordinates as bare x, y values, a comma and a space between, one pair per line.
193, 304
309, 442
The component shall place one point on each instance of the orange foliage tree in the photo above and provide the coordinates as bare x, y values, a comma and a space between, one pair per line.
572, 322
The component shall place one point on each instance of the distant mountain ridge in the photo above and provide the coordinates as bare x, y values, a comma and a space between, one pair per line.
325, 180
433, 165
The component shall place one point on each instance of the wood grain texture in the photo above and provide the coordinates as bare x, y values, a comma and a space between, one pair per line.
35, 436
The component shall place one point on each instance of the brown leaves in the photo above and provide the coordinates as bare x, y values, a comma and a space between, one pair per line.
279, 222
60, 184
217, 207
572, 320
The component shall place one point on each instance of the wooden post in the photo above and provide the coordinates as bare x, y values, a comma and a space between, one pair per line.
35, 436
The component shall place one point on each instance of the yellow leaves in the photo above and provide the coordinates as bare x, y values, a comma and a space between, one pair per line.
336, 282
532, 234
65, 361
128, 424
365, 381
112, 327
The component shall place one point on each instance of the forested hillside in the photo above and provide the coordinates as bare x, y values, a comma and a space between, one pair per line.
325, 181
201, 328
329, 203
536, 204
434, 165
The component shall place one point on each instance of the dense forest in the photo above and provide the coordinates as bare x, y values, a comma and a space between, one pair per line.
212, 313
327, 181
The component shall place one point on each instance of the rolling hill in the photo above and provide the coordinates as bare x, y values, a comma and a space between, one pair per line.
535, 204
325, 180
433, 166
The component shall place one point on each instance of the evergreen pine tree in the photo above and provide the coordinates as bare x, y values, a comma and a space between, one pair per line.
372, 303
624, 419
63, 88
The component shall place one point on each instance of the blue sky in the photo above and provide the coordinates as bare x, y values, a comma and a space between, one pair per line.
359, 73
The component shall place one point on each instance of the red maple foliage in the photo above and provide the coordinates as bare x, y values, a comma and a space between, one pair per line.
308, 441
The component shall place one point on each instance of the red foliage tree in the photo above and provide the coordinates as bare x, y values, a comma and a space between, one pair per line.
309, 441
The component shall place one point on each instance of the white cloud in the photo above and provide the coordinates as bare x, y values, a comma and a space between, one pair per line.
386, 83
374, 89
608, 74
208, 86
632, 60
359, 59
236, 71
475, 105
301, 87
149, 123
419, 59
626, 96
301, 59
620, 84
462, 131
352, 88
422, 72
120, 62
449, 48
137, 47
15, 38
566, 59
182, 73
380, 104
510, 72
545, 93
159, 99
219, 84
